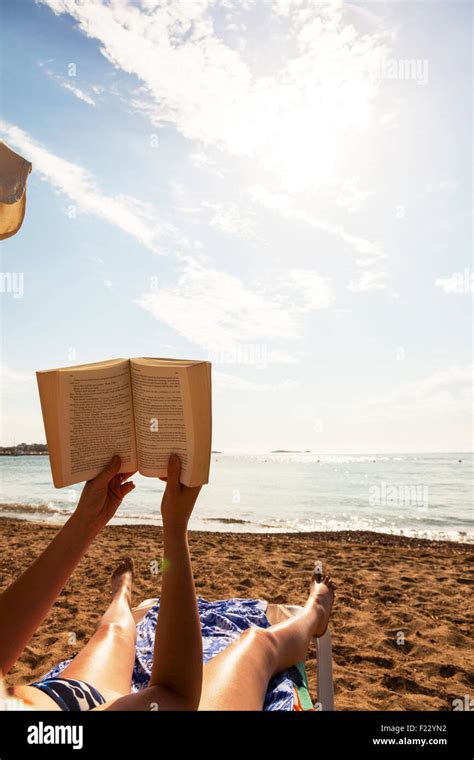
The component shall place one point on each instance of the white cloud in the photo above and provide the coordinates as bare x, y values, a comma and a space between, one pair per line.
350, 196
223, 381
459, 282
312, 291
231, 219
67, 84
442, 391
442, 186
77, 92
285, 206
131, 215
218, 312
295, 120
368, 281
202, 160
295, 123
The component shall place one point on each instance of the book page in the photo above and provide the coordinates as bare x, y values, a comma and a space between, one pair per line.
96, 420
163, 419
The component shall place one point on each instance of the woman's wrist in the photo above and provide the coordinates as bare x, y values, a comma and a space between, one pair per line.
176, 533
85, 527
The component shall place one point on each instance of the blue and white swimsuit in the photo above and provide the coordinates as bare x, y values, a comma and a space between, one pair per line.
69, 694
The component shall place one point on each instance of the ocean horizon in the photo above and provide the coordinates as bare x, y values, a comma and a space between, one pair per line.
421, 495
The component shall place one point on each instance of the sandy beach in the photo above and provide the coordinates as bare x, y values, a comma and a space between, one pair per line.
386, 586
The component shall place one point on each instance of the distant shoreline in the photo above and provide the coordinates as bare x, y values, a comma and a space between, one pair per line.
291, 451
6, 451
24, 450
24, 454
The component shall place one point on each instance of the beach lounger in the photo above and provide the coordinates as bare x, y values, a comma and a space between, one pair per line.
276, 613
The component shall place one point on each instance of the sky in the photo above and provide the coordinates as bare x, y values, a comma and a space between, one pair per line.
283, 187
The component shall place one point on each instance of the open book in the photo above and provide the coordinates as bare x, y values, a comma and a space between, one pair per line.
141, 409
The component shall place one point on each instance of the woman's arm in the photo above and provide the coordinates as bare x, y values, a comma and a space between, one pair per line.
177, 661
26, 602
176, 678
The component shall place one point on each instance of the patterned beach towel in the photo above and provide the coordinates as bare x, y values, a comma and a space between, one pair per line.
221, 623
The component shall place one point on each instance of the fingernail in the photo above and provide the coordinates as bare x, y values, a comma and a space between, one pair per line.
115, 459
173, 458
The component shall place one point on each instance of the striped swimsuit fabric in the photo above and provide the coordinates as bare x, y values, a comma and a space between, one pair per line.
69, 694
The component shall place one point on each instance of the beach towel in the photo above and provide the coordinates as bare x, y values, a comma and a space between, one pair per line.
14, 172
221, 623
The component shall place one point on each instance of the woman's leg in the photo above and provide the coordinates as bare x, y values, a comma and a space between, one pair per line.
237, 678
106, 661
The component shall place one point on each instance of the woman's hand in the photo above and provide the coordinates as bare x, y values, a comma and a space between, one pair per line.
102, 496
178, 501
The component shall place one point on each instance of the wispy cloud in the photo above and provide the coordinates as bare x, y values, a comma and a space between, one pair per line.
217, 311
202, 160
224, 381
231, 219
234, 218
67, 84
349, 195
306, 290
291, 127
291, 120
129, 214
368, 281
459, 282
284, 204
441, 186
442, 391
78, 92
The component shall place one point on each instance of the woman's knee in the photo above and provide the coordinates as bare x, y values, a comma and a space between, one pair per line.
262, 638
115, 630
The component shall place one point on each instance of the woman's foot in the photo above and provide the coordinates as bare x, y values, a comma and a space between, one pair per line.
122, 579
320, 600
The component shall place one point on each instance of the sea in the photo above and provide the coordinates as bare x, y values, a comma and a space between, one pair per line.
419, 495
